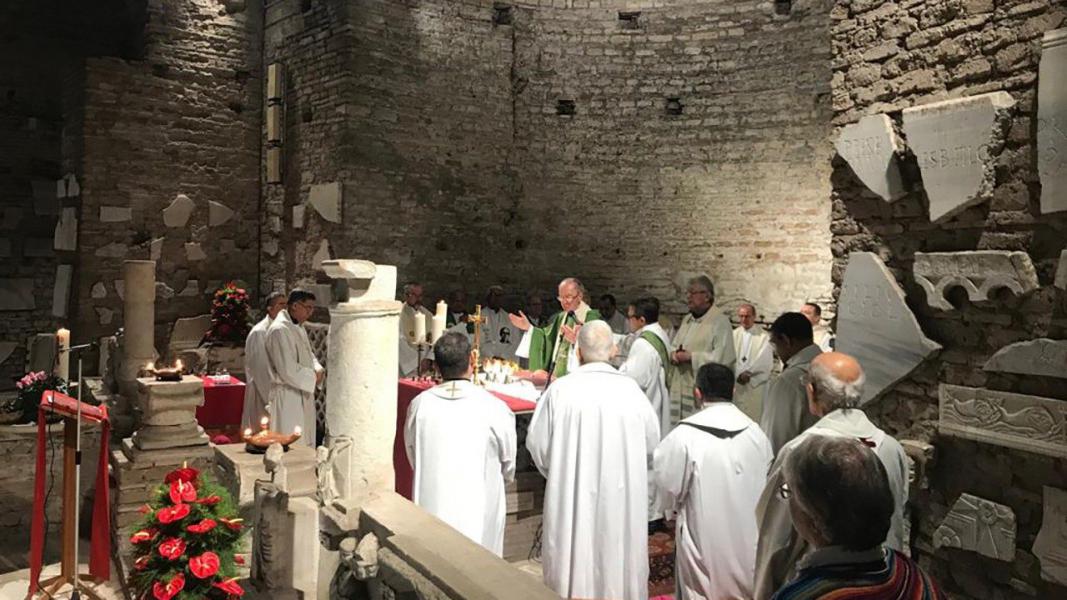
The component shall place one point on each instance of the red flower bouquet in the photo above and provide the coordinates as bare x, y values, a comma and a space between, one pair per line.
230, 319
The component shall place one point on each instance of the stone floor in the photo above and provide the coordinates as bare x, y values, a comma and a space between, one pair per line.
13, 586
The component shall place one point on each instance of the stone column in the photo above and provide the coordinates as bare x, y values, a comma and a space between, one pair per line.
361, 384
139, 319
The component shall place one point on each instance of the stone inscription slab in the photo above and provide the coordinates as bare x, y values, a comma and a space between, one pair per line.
1052, 121
1050, 546
870, 147
875, 325
979, 525
326, 199
1042, 356
981, 273
956, 143
1019, 421
61, 290
1061, 272
66, 235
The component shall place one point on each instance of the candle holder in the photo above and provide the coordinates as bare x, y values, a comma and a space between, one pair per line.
258, 442
172, 373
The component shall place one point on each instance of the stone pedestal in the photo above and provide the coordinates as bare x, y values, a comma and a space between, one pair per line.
168, 413
138, 322
238, 470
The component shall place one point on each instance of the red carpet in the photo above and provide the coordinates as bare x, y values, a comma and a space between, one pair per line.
661, 564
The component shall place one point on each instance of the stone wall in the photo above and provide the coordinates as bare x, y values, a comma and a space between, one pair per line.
169, 163
889, 56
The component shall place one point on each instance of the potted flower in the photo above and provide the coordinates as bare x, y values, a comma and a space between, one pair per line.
28, 397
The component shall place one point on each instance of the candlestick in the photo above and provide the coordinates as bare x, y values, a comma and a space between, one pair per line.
63, 366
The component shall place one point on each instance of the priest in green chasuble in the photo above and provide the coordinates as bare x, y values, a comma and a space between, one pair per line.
551, 346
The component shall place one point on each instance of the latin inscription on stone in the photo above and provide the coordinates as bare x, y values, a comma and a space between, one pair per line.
870, 147
875, 325
1019, 421
1052, 121
955, 143
979, 525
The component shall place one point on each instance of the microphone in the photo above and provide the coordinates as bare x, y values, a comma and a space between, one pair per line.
78, 347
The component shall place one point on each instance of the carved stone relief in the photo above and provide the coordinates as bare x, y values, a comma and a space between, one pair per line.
1018, 421
1052, 121
979, 272
978, 525
1037, 357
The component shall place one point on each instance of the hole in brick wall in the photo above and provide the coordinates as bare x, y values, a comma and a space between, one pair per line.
241, 75
235, 106
783, 7
305, 5
520, 244
306, 114
502, 14
565, 107
674, 106
630, 20
160, 70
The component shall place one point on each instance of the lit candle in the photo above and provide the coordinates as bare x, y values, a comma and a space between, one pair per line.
264, 423
178, 365
63, 366
437, 327
248, 432
420, 328
297, 430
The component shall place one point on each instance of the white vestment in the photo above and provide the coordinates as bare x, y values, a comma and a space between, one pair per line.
824, 337
780, 546
785, 405
754, 354
499, 337
708, 339
409, 349
294, 366
644, 365
710, 471
591, 436
460, 441
258, 376
619, 323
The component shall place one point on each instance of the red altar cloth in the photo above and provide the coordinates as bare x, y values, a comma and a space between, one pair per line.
406, 392
223, 404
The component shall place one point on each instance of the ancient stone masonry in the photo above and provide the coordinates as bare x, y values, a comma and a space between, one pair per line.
1019, 421
1052, 121
1050, 546
979, 525
979, 273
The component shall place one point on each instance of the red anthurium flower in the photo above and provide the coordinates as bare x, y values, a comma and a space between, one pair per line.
205, 565
141, 563
170, 514
145, 509
182, 491
187, 474
234, 524
170, 590
172, 548
210, 500
238, 559
230, 587
141, 536
203, 526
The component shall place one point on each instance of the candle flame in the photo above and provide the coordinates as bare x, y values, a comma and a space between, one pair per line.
151, 366
297, 430
264, 421
248, 432
178, 364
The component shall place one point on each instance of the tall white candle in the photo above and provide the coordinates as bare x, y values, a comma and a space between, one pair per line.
420, 327
437, 326
63, 343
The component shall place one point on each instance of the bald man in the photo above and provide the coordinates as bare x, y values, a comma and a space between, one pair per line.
834, 387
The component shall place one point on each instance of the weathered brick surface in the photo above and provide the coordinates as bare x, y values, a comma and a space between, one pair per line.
893, 55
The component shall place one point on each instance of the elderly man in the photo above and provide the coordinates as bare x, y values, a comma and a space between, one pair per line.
609, 311
551, 347
754, 362
785, 405
296, 370
646, 361
460, 440
500, 338
847, 558
412, 310
457, 308
710, 472
591, 436
258, 377
703, 337
833, 389
823, 336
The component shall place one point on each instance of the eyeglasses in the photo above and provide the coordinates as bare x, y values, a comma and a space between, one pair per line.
784, 492
696, 292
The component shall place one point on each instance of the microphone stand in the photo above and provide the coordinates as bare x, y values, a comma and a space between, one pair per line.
75, 593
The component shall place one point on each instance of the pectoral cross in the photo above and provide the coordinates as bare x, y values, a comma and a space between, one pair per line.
476, 319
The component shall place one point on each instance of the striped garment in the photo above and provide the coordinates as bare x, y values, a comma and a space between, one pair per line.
894, 577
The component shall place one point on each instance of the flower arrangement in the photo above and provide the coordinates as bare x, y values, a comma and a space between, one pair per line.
230, 320
30, 388
184, 547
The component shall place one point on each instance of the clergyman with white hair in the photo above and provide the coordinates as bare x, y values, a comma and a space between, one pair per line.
834, 387
591, 437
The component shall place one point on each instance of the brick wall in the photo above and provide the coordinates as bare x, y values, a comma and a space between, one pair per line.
893, 55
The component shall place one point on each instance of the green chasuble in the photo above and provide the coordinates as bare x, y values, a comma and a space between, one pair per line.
548, 341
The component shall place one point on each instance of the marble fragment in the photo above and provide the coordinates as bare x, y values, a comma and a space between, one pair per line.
61, 290
326, 199
979, 525
270, 247
1061, 271
178, 212
115, 214
155, 249
870, 147
1019, 421
1052, 121
1050, 545
73, 189
99, 290
164, 291
120, 289
112, 250
193, 252
218, 213
321, 255
956, 143
1042, 357
191, 289
104, 315
17, 294
298, 216
188, 332
66, 235
875, 325
980, 273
